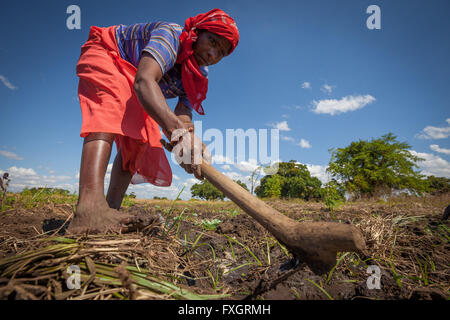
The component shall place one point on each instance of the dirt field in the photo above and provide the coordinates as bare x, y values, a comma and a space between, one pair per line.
234, 258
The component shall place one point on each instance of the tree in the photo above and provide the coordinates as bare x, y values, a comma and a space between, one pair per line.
205, 190
254, 178
333, 195
437, 185
270, 187
379, 166
243, 185
293, 180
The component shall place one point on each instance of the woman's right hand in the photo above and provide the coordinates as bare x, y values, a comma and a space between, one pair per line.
189, 150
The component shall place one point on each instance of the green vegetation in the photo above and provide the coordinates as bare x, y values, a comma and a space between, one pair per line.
376, 167
205, 190
37, 197
333, 196
210, 224
437, 185
293, 180
128, 200
126, 281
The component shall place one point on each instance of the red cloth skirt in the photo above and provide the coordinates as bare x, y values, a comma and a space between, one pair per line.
109, 104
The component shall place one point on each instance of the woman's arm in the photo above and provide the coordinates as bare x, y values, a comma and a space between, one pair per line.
184, 113
149, 93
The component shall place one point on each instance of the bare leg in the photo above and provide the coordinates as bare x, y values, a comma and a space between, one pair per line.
92, 212
120, 180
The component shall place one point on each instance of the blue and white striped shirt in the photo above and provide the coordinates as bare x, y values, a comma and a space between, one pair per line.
162, 41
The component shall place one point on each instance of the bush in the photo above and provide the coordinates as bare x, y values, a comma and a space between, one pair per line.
293, 180
333, 195
44, 191
437, 185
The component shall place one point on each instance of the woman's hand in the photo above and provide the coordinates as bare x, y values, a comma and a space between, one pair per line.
189, 150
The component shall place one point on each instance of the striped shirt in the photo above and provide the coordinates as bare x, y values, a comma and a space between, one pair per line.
162, 41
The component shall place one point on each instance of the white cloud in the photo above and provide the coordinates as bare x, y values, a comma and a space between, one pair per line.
430, 132
233, 175
290, 107
22, 172
7, 83
346, 104
191, 181
287, 138
175, 177
27, 177
148, 191
10, 155
432, 165
436, 148
327, 88
282, 126
319, 171
247, 166
306, 85
226, 167
220, 159
304, 144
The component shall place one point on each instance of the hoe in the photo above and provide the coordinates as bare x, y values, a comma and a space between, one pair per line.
315, 243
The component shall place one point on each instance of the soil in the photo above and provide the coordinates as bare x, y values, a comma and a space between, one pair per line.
408, 233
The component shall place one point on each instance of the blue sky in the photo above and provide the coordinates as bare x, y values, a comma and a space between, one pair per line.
311, 68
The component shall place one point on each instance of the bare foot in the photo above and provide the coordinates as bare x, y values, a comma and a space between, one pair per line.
101, 219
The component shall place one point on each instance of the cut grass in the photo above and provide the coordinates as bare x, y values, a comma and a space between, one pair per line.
413, 259
53, 260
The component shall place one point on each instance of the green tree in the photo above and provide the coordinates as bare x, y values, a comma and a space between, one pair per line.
379, 166
270, 187
205, 190
437, 185
293, 180
242, 184
333, 195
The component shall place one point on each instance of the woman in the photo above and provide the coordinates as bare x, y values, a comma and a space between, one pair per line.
126, 73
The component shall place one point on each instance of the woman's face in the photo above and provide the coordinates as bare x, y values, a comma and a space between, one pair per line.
210, 48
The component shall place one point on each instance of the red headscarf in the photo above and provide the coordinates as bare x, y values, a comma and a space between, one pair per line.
194, 82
